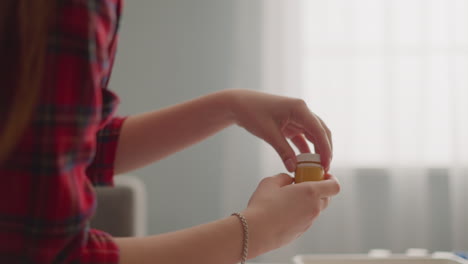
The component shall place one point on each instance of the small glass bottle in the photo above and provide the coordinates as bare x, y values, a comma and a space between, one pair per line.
308, 168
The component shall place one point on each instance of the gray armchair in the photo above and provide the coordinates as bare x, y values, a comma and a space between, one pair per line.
121, 210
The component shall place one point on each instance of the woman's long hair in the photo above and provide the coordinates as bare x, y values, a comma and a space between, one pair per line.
23, 36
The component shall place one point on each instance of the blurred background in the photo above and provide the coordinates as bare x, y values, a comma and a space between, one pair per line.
389, 77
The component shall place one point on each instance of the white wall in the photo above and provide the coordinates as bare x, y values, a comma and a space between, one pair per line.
171, 51
174, 50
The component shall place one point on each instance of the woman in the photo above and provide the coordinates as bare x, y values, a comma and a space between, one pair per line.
59, 137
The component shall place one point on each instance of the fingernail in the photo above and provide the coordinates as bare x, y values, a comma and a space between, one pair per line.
327, 168
290, 165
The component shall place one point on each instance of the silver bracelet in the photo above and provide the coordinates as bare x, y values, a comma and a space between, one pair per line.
245, 227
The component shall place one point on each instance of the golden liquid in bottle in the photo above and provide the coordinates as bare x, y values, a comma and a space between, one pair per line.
308, 172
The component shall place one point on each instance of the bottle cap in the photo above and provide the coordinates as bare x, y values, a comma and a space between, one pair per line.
308, 157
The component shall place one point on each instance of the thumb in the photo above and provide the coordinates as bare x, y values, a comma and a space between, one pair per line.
282, 147
278, 180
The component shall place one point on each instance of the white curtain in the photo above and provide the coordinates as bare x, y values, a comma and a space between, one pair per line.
390, 78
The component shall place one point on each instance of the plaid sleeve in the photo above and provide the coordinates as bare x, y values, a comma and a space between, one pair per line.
101, 170
99, 248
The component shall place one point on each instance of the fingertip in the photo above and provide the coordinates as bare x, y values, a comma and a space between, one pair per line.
283, 179
284, 150
337, 182
325, 163
290, 164
286, 176
325, 156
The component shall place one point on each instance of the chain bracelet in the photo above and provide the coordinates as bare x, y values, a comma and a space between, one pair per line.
245, 227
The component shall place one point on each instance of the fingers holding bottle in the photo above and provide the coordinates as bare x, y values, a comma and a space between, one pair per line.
279, 211
276, 119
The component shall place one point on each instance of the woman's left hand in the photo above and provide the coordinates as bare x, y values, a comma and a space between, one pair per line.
276, 118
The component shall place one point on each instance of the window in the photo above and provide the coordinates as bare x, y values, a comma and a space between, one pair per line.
390, 77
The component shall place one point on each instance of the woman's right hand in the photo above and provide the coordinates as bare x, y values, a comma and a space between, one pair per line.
279, 212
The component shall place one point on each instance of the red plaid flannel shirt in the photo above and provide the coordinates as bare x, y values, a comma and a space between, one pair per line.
46, 192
